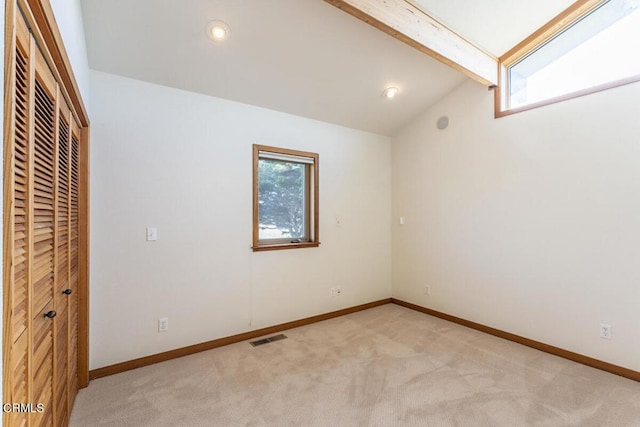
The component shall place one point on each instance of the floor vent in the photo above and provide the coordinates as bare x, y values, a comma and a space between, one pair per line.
268, 340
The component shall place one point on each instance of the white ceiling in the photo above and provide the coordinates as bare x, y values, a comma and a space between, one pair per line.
303, 57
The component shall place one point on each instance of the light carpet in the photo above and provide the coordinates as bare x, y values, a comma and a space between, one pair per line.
387, 366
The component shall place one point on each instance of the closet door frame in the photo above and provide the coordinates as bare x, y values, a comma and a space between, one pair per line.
40, 18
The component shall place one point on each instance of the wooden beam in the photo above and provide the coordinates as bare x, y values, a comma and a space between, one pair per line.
411, 25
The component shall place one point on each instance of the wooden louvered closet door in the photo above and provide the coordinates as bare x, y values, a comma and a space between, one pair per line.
44, 227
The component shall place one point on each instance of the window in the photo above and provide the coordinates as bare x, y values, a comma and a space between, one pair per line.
285, 198
591, 46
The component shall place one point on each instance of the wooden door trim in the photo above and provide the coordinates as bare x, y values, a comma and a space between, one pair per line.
8, 223
83, 260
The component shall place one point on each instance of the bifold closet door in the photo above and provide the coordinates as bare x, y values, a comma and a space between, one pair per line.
44, 225
61, 325
66, 284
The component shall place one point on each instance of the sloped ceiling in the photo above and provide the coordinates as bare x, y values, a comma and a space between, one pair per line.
303, 57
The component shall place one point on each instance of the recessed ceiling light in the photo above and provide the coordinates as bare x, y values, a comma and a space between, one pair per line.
390, 92
218, 31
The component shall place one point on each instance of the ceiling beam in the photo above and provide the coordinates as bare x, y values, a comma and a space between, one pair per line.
409, 24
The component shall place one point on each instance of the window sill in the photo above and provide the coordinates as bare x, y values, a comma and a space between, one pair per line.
281, 246
588, 91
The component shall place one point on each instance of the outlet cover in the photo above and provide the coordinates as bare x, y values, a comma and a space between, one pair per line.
605, 331
163, 324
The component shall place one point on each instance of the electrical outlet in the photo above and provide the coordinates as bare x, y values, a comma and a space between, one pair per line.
338, 290
605, 331
163, 324
335, 291
427, 290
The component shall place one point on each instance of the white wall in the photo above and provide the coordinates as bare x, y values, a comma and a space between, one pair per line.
182, 162
528, 223
68, 14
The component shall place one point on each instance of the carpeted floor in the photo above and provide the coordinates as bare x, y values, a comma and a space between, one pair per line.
387, 366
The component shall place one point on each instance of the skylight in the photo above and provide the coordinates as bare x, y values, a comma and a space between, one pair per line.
599, 49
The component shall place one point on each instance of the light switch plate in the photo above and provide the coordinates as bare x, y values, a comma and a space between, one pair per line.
152, 234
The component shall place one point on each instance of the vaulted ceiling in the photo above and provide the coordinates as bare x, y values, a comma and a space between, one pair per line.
303, 57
